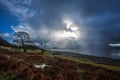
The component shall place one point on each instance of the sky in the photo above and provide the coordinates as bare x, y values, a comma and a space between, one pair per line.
86, 26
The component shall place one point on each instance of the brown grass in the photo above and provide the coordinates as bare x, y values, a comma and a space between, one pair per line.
21, 65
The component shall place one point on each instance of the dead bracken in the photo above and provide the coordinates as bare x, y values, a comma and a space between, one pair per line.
21, 67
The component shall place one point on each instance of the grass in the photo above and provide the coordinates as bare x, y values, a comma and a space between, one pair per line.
38, 52
21, 50
7, 75
110, 67
8, 48
63, 68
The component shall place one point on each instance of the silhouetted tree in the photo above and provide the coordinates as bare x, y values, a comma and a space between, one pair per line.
22, 39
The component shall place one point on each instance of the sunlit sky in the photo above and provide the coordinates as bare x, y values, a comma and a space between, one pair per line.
89, 25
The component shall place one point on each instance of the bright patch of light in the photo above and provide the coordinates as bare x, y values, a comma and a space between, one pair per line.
70, 34
115, 45
74, 28
40, 66
65, 34
68, 23
71, 30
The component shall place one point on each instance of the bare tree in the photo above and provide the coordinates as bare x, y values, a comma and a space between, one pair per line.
22, 39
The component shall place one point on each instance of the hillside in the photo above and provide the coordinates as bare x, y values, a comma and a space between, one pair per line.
16, 65
4, 42
87, 58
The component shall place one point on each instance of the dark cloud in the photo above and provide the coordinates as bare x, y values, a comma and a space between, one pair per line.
98, 21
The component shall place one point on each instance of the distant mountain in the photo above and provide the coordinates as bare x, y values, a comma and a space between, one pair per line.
4, 42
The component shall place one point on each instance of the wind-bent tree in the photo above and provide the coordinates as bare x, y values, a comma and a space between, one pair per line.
22, 39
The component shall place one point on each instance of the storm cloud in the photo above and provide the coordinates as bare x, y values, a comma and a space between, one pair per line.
93, 23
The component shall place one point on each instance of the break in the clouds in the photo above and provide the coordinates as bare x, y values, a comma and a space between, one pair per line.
87, 26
